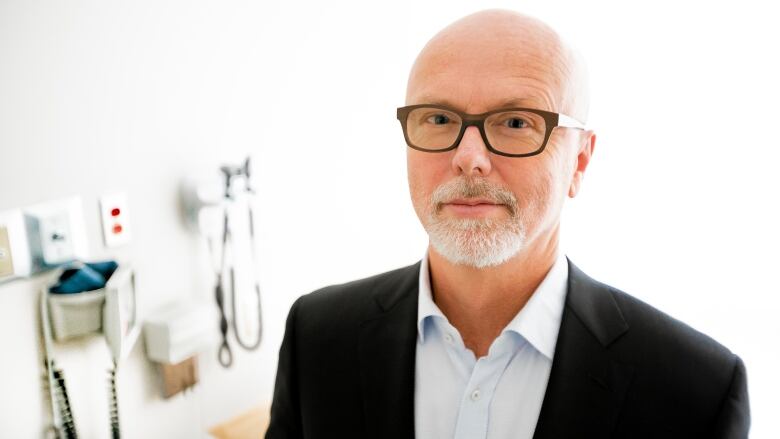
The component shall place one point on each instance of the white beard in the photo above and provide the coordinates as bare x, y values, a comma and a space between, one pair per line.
475, 242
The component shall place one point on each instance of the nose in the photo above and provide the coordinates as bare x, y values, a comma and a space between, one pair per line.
471, 156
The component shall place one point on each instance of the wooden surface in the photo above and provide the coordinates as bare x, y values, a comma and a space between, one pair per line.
249, 425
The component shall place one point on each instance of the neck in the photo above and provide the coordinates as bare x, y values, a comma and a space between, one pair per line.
480, 302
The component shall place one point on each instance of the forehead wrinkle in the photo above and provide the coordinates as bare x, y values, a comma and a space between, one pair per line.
544, 97
537, 98
546, 70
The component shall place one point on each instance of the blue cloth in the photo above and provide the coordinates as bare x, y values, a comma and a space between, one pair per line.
90, 276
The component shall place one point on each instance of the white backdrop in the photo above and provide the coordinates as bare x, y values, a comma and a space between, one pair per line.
679, 205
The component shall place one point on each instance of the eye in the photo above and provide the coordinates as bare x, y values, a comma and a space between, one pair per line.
516, 122
438, 119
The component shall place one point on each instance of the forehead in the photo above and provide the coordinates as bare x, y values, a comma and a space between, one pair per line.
478, 76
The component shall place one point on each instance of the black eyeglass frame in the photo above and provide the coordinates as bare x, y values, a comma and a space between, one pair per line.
551, 120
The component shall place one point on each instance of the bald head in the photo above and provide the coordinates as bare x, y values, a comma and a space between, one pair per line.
490, 56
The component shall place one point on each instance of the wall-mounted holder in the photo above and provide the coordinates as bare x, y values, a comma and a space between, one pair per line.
76, 315
121, 325
174, 336
111, 310
179, 331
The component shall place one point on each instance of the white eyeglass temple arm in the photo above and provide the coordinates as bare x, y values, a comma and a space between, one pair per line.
570, 122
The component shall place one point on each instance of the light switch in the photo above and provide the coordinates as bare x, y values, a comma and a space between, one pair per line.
6, 261
116, 219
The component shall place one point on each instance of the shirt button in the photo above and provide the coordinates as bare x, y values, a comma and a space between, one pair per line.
475, 395
448, 338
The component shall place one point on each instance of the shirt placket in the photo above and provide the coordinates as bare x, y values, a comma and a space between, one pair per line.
474, 411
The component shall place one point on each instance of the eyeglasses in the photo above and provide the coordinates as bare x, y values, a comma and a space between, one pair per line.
511, 132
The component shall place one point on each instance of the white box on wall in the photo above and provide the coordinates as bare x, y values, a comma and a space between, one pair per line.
56, 233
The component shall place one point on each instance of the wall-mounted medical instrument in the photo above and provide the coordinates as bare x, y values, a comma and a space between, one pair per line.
63, 425
121, 329
218, 208
89, 298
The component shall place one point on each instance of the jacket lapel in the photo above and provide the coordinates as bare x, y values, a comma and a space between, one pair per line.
386, 350
586, 387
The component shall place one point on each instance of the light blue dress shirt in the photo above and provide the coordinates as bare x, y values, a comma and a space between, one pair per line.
500, 395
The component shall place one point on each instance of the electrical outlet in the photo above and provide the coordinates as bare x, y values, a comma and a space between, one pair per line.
6, 259
115, 216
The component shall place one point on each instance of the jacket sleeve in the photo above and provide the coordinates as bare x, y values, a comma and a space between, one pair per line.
285, 408
733, 421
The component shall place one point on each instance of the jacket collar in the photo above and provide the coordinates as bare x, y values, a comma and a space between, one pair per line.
386, 352
586, 387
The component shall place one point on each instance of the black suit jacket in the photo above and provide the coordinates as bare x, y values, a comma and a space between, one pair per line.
621, 368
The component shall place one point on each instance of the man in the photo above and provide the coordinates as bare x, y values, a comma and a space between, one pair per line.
496, 334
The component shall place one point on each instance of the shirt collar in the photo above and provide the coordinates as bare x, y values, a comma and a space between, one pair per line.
426, 307
537, 322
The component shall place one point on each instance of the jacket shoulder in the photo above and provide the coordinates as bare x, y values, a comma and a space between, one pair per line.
663, 333
682, 378
360, 298
675, 365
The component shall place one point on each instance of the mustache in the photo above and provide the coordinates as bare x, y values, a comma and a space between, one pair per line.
464, 187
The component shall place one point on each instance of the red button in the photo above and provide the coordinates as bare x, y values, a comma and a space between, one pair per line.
115, 211
117, 229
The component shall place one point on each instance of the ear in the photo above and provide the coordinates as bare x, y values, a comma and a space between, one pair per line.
587, 144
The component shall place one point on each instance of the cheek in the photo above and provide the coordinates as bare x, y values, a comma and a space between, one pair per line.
423, 179
534, 186
538, 189
548, 193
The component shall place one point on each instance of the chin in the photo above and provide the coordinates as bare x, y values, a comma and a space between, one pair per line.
478, 243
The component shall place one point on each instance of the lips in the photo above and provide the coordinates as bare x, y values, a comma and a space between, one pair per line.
471, 207
472, 201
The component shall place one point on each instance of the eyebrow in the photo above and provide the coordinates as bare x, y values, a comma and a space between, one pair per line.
513, 102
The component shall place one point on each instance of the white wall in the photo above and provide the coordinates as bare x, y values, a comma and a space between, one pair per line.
679, 205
